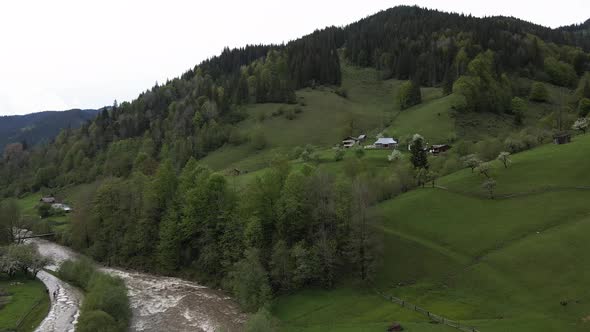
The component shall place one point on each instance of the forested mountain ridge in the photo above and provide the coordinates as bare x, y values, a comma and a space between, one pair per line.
40, 127
196, 113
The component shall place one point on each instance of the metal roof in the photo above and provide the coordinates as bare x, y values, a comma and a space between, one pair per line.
386, 140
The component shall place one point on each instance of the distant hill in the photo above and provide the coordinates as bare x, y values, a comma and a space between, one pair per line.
40, 127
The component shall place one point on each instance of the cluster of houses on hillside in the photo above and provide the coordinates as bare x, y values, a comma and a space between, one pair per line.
388, 143
52, 201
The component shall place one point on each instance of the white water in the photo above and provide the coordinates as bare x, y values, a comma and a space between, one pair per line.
158, 303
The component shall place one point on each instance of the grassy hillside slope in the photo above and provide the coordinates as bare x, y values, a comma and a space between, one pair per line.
512, 264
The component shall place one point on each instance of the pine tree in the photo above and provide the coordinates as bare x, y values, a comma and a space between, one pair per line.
419, 157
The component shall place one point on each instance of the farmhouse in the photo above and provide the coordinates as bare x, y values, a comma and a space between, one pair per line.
438, 148
61, 206
47, 200
562, 138
386, 143
349, 142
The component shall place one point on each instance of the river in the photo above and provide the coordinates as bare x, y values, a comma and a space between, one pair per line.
158, 303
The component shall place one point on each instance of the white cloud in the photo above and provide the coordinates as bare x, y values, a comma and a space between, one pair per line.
78, 53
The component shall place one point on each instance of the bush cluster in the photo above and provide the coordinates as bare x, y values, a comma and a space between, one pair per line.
106, 305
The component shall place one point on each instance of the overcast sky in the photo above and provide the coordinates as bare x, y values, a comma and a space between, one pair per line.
63, 54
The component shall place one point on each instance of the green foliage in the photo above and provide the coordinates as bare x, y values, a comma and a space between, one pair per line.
518, 107
482, 90
560, 73
96, 321
44, 210
471, 161
583, 89
24, 303
22, 258
10, 218
77, 272
584, 107
419, 156
45, 177
359, 152
339, 155
395, 155
248, 281
105, 306
108, 294
539, 92
409, 95
261, 321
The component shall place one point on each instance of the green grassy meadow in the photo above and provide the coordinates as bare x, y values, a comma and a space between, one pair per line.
28, 297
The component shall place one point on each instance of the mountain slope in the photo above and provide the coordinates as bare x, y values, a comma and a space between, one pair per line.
40, 127
307, 223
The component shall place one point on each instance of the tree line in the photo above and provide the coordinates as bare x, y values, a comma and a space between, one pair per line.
289, 229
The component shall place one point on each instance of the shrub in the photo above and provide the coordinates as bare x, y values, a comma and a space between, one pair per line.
339, 155
248, 281
108, 294
106, 305
96, 321
583, 107
561, 73
296, 152
514, 144
409, 95
261, 322
518, 107
44, 210
342, 92
298, 110
489, 149
395, 156
359, 152
539, 92
77, 272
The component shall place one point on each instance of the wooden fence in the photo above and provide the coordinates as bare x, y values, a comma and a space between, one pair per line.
430, 315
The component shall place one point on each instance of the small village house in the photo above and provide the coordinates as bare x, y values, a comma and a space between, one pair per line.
349, 142
439, 148
60, 206
385, 143
562, 138
47, 200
